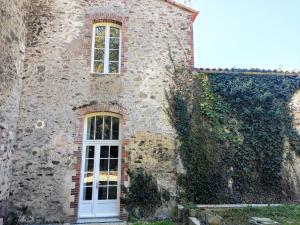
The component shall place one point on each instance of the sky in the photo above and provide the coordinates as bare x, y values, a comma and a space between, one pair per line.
262, 34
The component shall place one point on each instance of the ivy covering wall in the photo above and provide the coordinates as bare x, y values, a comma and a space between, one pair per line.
233, 130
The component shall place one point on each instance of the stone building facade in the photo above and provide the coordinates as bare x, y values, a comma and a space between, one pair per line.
50, 91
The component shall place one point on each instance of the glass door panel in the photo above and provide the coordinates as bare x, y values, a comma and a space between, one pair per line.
88, 173
108, 172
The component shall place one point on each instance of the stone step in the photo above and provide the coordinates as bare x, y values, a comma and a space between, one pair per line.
100, 221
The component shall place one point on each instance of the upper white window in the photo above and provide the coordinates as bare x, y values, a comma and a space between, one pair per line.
106, 57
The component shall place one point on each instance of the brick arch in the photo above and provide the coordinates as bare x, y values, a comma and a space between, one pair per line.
106, 17
80, 114
100, 107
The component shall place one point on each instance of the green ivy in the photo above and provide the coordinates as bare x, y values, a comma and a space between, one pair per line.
233, 127
260, 104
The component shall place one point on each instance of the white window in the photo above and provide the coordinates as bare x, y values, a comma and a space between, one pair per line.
106, 57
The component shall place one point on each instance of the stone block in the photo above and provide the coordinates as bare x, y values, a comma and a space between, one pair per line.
194, 221
213, 219
262, 221
182, 214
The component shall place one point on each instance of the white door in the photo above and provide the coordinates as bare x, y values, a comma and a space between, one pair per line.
100, 173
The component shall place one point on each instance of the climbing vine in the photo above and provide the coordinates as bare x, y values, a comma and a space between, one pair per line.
233, 130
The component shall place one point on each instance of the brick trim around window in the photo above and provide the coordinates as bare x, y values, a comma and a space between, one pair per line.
106, 18
80, 114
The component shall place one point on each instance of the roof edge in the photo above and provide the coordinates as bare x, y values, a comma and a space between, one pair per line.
184, 7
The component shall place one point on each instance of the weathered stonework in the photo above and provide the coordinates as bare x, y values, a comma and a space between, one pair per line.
57, 84
12, 53
292, 164
5, 168
155, 153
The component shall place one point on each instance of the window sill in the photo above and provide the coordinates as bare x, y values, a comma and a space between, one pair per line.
104, 74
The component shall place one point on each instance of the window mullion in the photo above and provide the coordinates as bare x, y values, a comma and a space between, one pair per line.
106, 55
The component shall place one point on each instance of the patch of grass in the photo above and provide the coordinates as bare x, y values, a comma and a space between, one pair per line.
286, 214
156, 222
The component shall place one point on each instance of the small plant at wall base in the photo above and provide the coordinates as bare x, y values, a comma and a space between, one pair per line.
232, 131
143, 196
18, 216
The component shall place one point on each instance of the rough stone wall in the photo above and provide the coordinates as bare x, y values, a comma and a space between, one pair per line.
292, 167
12, 53
155, 154
57, 80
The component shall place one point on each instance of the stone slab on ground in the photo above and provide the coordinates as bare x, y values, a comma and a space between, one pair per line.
231, 206
262, 221
194, 221
99, 224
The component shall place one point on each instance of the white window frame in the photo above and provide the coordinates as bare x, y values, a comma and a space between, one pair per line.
107, 47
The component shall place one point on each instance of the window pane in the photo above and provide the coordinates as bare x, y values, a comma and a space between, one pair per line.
102, 193
99, 127
112, 194
87, 193
90, 128
100, 31
113, 166
113, 178
114, 151
99, 42
103, 164
88, 179
89, 165
114, 43
104, 152
114, 55
99, 54
114, 67
107, 123
114, 32
115, 128
98, 66
90, 150
103, 177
